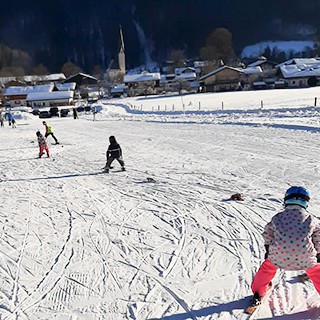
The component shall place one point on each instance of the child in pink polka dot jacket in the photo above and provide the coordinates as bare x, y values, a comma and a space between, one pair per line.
292, 242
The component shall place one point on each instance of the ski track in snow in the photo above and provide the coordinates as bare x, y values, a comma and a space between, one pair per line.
80, 244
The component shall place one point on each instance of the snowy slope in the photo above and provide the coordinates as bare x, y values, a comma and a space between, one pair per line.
80, 244
289, 47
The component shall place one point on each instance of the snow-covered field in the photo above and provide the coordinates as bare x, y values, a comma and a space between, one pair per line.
80, 244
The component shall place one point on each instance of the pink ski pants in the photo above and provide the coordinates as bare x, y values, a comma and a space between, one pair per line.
268, 270
42, 148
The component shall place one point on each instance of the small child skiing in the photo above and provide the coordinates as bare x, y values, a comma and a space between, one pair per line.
114, 152
49, 132
1, 120
292, 242
13, 123
42, 144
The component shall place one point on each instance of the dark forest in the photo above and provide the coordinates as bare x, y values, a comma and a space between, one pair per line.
87, 32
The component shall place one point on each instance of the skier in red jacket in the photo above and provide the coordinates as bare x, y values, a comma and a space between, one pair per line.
42, 144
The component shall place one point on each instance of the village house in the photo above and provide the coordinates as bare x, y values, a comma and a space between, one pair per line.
82, 79
38, 100
250, 76
84, 83
184, 79
40, 96
16, 96
268, 68
299, 75
118, 90
224, 78
69, 86
144, 83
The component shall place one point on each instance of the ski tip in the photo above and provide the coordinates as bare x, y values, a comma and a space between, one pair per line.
250, 310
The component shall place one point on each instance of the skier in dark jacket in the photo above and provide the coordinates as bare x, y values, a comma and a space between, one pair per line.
114, 152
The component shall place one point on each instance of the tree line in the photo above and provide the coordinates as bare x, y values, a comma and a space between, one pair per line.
217, 50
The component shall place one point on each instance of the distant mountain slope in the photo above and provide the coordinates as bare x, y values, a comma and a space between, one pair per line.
87, 33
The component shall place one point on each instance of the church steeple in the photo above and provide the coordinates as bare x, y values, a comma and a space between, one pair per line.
121, 54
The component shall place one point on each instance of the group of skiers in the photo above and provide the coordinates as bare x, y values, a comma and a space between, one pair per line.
292, 237
114, 151
10, 118
42, 141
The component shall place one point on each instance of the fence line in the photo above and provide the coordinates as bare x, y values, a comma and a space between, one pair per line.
201, 105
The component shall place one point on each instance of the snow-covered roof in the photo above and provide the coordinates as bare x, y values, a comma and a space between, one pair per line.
252, 70
300, 61
220, 69
189, 76
35, 78
179, 71
200, 63
186, 76
118, 88
55, 95
47, 77
14, 91
260, 62
83, 75
141, 77
300, 71
66, 86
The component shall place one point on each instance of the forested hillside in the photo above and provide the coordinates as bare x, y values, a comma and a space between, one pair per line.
87, 32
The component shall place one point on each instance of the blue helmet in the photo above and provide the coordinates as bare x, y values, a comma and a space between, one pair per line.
297, 195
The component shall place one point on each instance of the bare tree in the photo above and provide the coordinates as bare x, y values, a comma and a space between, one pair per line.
21, 59
70, 69
177, 59
40, 70
13, 61
12, 72
218, 46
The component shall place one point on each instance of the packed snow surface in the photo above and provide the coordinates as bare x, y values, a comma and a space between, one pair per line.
161, 240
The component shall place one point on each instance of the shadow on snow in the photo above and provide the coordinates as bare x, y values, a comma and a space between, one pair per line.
313, 313
53, 177
207, 311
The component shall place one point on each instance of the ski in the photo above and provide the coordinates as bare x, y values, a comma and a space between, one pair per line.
256, 301
105, 170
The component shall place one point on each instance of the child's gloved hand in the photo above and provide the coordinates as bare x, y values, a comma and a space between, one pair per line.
318, 257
